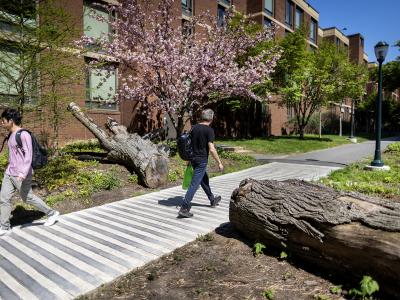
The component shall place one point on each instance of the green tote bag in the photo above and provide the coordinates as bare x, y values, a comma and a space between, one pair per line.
187, 177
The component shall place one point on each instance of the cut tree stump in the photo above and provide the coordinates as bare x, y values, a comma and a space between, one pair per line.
344, 233
138, 155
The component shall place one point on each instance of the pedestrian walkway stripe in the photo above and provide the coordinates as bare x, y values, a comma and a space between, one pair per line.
94, 246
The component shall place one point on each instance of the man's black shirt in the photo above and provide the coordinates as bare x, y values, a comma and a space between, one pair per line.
201, 136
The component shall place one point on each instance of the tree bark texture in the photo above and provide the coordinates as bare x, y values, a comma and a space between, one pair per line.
345, 233
138, 155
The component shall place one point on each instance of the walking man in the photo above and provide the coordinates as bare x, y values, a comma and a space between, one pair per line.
18, 175
203, 143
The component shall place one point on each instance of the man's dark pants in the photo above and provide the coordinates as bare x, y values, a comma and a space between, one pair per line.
200, 177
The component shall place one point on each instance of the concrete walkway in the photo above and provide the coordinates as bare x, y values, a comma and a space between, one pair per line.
336, 157
91, 247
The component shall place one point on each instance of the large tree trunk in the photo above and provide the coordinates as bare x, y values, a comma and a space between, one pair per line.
141, 156
346, 233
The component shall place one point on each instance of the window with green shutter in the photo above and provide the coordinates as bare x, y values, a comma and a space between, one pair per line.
101, 86
93, 27
9, 71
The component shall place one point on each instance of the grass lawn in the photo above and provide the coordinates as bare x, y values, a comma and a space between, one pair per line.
288, 144
377, 183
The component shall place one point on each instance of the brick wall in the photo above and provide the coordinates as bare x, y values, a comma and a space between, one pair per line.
356, 49
278, 116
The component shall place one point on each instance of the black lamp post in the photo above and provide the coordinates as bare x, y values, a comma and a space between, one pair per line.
381, 49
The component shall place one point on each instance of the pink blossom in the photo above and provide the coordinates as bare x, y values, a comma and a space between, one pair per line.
175, 73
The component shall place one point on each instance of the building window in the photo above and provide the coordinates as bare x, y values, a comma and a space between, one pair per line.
11, 69
337, 42
187, 7
269, 7
362, 42
267, 22
226, 2
221, 15
290, 112
92, 27
12, 20
289, 13
101, 86
299, 18
10, 73
313, 30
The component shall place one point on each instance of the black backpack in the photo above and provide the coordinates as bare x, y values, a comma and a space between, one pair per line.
39, 154
185, 147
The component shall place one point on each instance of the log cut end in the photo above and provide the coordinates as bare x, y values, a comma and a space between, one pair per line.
156, 172
345, 233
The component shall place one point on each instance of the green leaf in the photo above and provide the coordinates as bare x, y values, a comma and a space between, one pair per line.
368, 286
258, 248
336, 289
283, 255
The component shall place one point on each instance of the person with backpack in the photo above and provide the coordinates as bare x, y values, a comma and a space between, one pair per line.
202, 143
18, 175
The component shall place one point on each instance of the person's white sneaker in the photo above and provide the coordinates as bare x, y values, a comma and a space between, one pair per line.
52, 219
4, 231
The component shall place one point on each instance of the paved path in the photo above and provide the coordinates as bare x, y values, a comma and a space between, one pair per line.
338, 156
88, 248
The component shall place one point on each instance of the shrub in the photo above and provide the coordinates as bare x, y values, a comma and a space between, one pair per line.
208, 237
393, 148
83, 146
60, 171
236, 156
368, 286
3, 162
133, 178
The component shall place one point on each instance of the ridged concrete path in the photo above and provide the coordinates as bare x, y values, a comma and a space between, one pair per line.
88, 248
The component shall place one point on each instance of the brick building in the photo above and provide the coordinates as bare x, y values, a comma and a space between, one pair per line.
287, 14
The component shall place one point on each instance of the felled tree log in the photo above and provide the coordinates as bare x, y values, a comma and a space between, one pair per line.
138, 155
345, 233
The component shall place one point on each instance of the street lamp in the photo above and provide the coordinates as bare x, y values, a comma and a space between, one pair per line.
381, 50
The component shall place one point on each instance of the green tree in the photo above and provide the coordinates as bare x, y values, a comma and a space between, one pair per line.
31, 29
309, 79
390, 73
58, 70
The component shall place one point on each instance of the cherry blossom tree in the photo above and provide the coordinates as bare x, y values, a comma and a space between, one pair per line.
178, 70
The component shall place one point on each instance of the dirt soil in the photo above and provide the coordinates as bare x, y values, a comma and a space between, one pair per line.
222, 268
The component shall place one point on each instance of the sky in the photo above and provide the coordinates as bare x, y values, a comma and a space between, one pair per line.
376, 20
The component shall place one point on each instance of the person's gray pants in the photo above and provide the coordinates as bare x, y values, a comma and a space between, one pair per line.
8, 187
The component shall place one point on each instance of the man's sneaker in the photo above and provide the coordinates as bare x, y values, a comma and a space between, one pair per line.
185, 213
52, 219
4, 231
215, 201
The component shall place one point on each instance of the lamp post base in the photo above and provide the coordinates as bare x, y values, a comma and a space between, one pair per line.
377, 168
353, 140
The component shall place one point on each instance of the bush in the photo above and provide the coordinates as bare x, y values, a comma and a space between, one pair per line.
83, 146
133, 178
3, 163
96, 181
176, 173
236, 156
61, 171
393, 148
